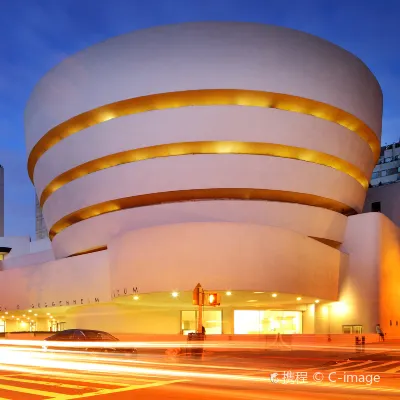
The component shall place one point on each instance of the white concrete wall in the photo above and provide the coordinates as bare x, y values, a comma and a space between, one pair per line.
389, 279
245, 57
206, 123
204, 172
308, 221
187, 56
27, 260
20, 245
37, 246
359, 287
25, 253
79, 278
124, 319
388, 196
369, 281
308, 322
224, 256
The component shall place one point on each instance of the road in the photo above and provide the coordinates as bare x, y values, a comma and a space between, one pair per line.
27, 374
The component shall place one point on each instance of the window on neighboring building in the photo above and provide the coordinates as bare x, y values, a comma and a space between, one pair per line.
391, 171
375, 175
376, 207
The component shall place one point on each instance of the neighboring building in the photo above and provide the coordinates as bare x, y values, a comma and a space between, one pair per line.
234, 155
387, 169
384, 193
1, 201
386, 200
41, 230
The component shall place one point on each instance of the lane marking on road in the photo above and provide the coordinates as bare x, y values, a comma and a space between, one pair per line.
93, 381
393, 370
29, 391
114, 391
359, 367
345, 365
114, 383
51, 380
329, 367
39, 382
361, 364
72, 377
198, 365
381, 365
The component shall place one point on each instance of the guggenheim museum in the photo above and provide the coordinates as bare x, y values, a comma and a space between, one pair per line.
234, 155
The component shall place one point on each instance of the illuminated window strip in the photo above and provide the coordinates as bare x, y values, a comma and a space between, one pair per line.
89, 251
206, 97
209, 147
151, 199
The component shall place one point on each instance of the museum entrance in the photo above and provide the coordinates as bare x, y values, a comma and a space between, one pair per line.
264, 322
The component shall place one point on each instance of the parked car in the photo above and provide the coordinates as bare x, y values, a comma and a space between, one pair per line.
80, 335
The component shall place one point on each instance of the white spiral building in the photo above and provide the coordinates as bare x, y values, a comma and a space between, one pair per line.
230, 154
272, 127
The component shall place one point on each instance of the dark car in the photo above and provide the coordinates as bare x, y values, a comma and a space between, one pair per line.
82, 335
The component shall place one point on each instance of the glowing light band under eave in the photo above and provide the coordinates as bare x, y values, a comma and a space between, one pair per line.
89, 251
206, 147
151, 199
205, 97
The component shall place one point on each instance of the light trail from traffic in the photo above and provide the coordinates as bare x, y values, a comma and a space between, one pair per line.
216, 345
34, 361
44, 360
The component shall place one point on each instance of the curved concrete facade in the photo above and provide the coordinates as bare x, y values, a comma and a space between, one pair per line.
233, 155
204, 56
294, 217
264, 117
225, 256
216, 152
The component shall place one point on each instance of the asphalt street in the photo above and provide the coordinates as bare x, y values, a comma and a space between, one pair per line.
218, 375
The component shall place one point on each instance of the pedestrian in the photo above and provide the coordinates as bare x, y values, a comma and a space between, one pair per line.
203, 330
379, 332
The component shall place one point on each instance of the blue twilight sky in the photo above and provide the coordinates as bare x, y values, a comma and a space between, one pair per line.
37, 34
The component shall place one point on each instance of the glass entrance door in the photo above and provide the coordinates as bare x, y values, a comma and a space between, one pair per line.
212, 322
